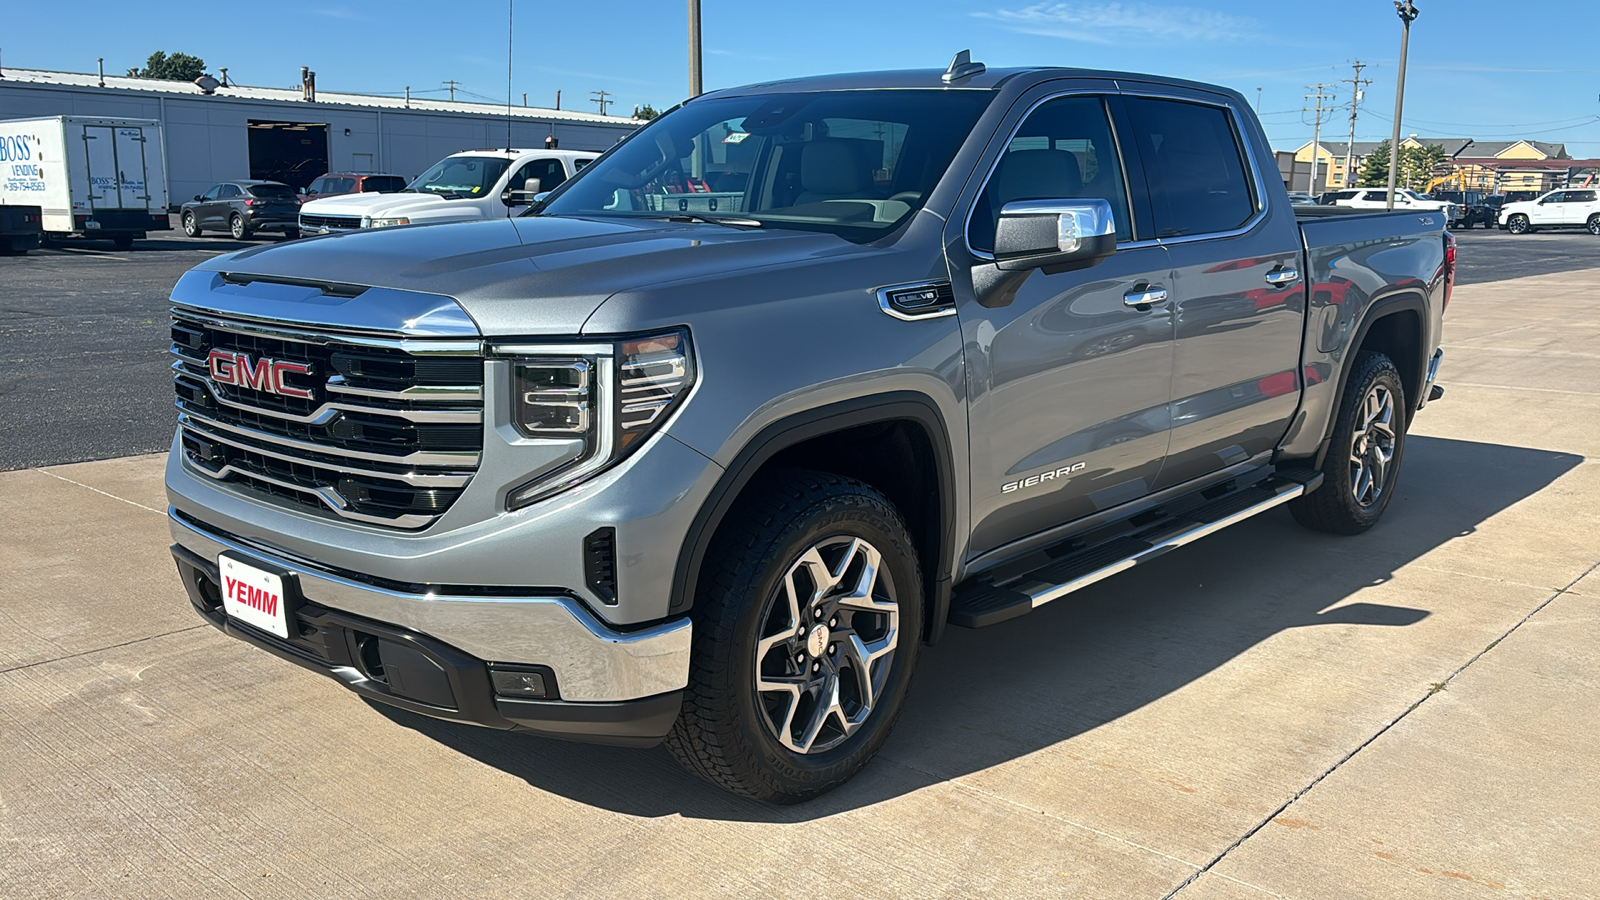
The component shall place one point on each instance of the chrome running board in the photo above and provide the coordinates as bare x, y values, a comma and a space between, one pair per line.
985, 601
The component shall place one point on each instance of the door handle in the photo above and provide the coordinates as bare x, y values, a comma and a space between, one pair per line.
1283, 275
1145, 295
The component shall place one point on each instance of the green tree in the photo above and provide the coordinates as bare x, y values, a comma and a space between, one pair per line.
1375, 168
646, 112
1417, 165
177, 67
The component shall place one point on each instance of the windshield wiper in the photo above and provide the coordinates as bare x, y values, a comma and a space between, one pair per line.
711, 220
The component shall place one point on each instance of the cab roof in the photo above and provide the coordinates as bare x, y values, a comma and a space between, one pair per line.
933, 79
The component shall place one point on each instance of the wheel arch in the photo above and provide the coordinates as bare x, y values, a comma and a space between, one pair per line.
803, 440
1397, 327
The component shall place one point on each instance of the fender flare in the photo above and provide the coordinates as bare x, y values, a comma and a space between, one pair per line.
1378, 309
803, 426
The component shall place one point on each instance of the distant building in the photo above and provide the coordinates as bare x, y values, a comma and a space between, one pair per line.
296, 134
1492, 166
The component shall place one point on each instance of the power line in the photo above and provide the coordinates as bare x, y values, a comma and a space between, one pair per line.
1316, 133
1357, 83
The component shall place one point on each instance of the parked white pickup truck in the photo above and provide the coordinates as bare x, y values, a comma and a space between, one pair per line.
474, 184
1405, 199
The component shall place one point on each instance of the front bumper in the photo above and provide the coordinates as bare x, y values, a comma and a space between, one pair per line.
611, 686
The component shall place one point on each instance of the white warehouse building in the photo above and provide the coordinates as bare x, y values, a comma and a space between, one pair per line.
294, 135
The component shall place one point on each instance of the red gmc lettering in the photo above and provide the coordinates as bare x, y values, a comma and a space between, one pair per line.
267, 375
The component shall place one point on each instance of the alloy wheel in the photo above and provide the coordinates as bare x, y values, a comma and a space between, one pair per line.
826, 645
1518, 225
1594, 224
1372, 446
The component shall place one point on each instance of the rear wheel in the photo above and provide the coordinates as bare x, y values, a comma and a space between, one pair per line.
292, 234
1594, 224
806, 631
1363, 459
237, 228
191, 227
1519, 224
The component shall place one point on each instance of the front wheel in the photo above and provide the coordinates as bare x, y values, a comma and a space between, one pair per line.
1363, 459
292, 234
237, 228
1594, 224
190, 226
806, 629
1519, 224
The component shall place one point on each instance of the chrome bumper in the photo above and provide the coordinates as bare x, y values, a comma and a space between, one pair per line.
592, 662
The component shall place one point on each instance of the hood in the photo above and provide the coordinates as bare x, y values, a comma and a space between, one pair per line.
421, 205
538, 275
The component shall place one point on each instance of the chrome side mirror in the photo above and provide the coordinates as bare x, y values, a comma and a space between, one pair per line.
1034, 234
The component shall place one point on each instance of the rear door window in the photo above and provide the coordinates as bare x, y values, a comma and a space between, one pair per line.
1581, 196
1194, 165
1062, 151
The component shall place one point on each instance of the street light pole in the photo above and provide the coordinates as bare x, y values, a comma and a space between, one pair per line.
694, 48
1408, 13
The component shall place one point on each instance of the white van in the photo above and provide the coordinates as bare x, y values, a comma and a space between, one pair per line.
90, 176
474, 184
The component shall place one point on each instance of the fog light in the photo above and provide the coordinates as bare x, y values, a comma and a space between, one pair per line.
526, 685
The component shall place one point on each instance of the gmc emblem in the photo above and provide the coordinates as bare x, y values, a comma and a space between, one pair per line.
263, 374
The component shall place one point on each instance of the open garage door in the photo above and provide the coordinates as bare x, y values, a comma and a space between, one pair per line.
291, 152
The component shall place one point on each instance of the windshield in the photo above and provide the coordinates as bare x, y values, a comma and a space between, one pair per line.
272, 191
852, 163
461, 176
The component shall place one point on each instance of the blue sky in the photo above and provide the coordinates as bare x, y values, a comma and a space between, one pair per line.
1482, 69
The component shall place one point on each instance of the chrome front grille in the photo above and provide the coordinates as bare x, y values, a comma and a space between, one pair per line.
384, 431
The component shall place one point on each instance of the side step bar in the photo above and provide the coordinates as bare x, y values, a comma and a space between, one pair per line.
980, 603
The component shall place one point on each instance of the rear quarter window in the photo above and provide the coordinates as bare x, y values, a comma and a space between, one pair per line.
1194, 165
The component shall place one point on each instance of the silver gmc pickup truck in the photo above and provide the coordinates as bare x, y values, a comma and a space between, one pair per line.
709, 443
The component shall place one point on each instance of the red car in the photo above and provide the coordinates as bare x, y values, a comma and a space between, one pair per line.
335, 183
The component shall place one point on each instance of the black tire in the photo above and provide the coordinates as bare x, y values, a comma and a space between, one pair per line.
292, 234
191, 226
237, 228
727, 732
1519, 224
1594, 224
1337, 507
122, 241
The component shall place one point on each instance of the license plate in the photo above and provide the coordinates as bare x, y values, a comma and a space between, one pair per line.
254, 596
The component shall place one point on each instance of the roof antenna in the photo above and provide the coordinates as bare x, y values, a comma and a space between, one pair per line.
962, 67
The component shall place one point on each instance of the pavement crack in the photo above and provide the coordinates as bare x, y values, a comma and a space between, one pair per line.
1432, 690
98, 491
151, 637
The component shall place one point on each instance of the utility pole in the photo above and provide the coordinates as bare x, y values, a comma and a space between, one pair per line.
1357, 84
600, 98
694, 49
452, 86
1258, 101
1408, 13
1316, 133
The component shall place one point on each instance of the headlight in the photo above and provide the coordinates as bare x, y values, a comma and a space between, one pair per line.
370, 222
589, 408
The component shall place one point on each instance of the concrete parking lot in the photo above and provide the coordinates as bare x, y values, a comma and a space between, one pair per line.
1268, 713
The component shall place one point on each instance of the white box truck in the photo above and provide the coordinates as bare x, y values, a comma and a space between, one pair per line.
90, 176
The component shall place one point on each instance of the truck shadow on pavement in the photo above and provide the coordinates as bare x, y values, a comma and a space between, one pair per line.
985, 697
